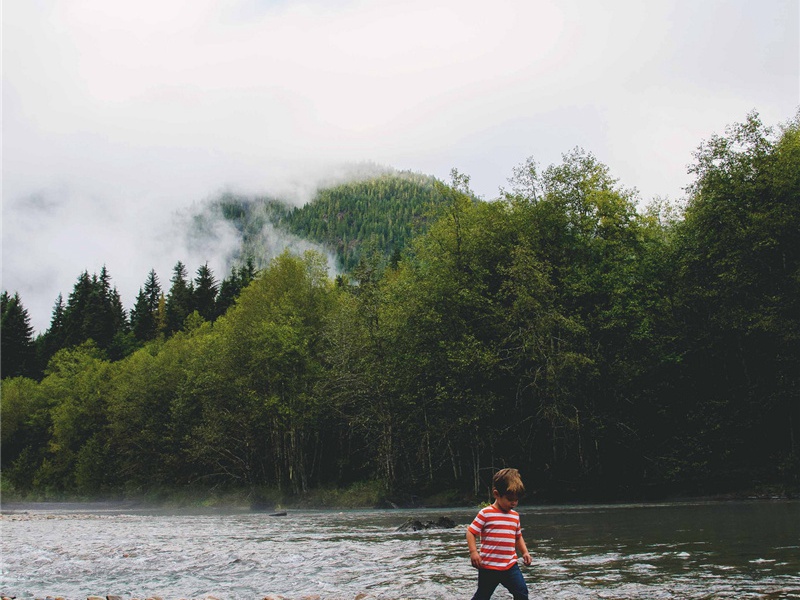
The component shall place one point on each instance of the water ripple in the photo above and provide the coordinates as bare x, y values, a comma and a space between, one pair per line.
634, 552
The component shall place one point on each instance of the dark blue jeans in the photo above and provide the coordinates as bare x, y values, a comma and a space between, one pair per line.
511, 579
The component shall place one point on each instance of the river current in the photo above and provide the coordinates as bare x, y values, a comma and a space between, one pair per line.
698, 551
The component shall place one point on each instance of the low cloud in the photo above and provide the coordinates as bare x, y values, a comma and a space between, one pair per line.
117, 118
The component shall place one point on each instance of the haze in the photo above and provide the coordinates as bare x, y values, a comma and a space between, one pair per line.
120, 119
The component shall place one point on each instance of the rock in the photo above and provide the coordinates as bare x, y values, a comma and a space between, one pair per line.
445, 523
278, 514
411, 525
113, 597
417, 525
95, 598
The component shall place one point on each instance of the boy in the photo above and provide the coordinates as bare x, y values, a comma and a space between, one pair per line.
501, 538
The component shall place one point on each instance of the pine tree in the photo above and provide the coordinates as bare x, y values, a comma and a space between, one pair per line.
99, 319
76, 311
145, 312
233, 285
179, 300
17, 351
205, 293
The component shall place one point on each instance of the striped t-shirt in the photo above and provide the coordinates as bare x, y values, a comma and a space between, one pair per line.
498, 531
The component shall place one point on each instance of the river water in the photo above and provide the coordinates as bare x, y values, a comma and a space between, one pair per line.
689, 551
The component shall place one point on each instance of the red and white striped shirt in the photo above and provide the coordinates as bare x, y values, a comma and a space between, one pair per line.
498, 531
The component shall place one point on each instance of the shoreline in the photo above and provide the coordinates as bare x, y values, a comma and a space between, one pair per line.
17, 507
363, 496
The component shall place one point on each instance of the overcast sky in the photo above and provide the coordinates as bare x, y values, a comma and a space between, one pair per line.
120, 117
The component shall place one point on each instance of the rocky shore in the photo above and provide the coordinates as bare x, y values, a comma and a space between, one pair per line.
113, 597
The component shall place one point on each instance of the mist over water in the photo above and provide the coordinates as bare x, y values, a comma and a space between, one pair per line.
687, 551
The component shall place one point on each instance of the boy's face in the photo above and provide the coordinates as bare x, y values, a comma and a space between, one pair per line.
505, 502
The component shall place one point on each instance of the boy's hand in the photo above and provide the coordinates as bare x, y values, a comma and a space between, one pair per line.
475, 559
526, 558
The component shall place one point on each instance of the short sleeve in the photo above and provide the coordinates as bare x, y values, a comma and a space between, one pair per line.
476, 527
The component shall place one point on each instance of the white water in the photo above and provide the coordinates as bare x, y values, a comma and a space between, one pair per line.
686, 551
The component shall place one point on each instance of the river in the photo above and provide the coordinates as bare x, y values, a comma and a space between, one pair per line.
699, 550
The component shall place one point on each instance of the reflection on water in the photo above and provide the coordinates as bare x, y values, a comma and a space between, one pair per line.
702, 550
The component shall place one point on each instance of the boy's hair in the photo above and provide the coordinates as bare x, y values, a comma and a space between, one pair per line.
508, 481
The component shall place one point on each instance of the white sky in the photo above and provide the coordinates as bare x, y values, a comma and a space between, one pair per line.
118, 117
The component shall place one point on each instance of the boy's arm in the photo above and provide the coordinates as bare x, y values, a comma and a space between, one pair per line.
523, 550
474, 555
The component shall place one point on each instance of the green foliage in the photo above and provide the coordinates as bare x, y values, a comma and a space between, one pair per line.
603, 350
738, 301
384, 211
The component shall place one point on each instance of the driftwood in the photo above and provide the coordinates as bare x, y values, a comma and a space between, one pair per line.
417, 525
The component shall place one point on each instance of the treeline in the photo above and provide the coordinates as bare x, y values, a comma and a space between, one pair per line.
606, 351
94, 311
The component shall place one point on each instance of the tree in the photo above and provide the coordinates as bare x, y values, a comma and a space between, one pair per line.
94, 312
260, 420
144, 316
77, 385
739, 301
232, 286
18, 353
53, 339
101, 319
205, 293
25, 430
179, 301
76, 313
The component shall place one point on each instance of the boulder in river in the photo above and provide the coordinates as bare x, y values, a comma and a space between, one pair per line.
417, 525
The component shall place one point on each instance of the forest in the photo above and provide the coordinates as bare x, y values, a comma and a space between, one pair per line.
608, 350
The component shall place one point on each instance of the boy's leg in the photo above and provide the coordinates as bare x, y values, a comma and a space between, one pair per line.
514, 582
488, 580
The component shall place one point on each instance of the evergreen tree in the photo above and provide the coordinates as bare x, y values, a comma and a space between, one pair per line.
144, 316
124, 342
99, 320
53, 339
205, 293
17, 352
94, 312
77, 310
179, 300
232, 286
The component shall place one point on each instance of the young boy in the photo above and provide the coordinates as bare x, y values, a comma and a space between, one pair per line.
501, 538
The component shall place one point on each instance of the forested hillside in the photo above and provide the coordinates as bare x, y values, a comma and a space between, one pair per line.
606, 350
381, 212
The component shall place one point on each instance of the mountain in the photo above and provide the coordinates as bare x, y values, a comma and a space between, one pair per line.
383, 211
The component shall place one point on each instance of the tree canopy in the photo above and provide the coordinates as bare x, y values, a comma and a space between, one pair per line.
605, 349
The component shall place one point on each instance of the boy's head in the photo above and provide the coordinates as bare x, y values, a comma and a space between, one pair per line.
507, 482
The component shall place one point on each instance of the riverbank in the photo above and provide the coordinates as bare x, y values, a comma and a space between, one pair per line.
359, 495
363, 495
